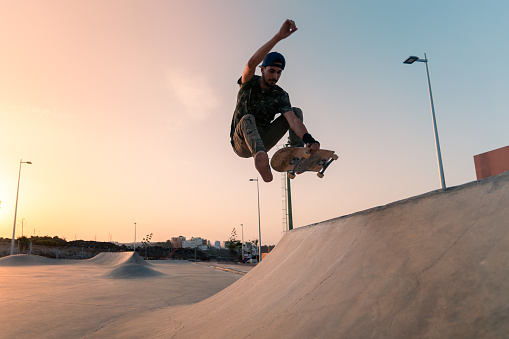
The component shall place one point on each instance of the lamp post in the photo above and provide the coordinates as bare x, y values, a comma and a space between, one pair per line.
259, 224
242, 225
411, 60
289, 220
134, 238
16, 208
22, 226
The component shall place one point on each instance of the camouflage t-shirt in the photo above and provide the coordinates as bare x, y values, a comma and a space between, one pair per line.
262, 104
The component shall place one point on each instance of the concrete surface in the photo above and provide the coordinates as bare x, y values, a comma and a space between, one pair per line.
238, 268
49, 298
433, 266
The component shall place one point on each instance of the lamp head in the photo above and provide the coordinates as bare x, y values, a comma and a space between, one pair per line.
411, 60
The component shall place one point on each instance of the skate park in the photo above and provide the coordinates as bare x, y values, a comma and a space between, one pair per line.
116, 118
429, 266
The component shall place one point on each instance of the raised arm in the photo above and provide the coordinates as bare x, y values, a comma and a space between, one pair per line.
287, 29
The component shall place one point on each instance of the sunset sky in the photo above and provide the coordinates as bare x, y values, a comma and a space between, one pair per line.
124, 109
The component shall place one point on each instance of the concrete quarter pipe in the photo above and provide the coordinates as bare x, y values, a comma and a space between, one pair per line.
432, 266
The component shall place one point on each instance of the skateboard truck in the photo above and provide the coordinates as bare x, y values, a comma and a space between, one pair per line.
322, 171
295, 162
322, 162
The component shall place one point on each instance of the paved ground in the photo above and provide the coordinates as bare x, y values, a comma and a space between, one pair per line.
49, 298
433, 266
238, 268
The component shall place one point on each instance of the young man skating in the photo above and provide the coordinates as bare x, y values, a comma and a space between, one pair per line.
254, 130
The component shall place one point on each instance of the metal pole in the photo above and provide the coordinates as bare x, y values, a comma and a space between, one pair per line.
16, 207
437, 142
135, 237
259, 224
289, 202
242, 225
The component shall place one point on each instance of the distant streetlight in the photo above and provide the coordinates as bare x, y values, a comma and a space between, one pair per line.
259, 223
22, 226
242, 225
16, 208
411, 60
134, 237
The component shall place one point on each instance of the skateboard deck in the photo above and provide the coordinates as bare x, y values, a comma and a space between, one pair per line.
298, 159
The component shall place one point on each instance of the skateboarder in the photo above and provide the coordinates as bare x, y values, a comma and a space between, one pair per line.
254, 130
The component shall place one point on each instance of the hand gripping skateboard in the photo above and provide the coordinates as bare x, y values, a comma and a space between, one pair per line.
299, 159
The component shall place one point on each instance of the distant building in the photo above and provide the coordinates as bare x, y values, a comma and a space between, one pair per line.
217, 244
195, 243
178, 242
200, 243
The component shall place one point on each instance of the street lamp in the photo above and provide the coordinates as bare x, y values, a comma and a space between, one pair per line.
411, 60
289, 220
242, 225
16, 208
259, 227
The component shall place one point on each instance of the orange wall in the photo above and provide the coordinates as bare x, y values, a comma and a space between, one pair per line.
492, 163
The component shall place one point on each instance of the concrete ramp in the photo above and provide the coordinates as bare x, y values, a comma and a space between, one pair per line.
116, 258
433, 266
27, 260
125, 265
132, 271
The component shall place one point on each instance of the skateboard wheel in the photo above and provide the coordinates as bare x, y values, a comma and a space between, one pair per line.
306, 155
319, 175
291, 175
334, 156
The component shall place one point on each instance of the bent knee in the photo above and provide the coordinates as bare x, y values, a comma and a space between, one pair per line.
248, 119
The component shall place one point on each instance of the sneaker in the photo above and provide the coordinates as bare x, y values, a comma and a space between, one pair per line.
262, 165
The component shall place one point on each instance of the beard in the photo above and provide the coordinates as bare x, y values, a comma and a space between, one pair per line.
269, 83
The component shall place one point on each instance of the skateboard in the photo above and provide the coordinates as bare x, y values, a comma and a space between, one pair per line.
298, 159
